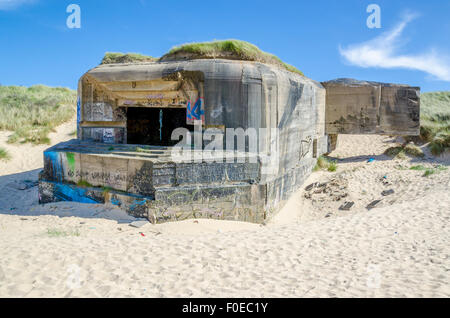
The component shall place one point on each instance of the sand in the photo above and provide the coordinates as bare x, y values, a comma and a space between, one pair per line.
310, 249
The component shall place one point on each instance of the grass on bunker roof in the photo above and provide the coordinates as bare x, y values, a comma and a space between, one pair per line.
227, 49
117, 57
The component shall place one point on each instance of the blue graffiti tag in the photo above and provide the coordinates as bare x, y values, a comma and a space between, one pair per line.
137, 202
57, 168
196, 112
78, 110
68, 193
116, 201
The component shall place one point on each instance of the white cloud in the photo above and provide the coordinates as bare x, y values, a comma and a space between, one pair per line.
12, 4
382, 52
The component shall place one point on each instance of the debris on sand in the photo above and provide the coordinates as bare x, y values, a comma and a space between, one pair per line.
373, 204
138, 224
387, 192
346, 206
336, 189
312, 185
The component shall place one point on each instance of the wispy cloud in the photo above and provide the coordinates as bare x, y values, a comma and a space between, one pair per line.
382, 52
13, 4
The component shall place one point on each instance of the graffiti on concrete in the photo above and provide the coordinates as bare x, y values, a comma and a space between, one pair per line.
196, 112
305, 146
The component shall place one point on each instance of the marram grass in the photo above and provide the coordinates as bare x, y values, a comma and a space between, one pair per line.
435, 120
31, 113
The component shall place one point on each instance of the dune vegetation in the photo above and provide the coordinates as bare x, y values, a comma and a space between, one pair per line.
116, 57
401, 151
226, 49
32, 112
324, 163
435, 120
4, 155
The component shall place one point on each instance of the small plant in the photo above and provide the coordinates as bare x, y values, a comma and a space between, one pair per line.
440, 142
53, 232
113, 58
394, 151
111, 148
4, 155
141, 149
418, 168
324, 163
332, 166
413, 150
106, 190
431, 171
84, 184
400, 152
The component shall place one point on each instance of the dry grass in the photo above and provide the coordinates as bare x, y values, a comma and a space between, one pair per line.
428, 171
32, 112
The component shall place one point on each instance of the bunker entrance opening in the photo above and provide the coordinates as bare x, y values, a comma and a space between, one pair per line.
154, 126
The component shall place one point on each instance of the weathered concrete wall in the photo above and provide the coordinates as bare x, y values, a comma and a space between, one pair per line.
359, 107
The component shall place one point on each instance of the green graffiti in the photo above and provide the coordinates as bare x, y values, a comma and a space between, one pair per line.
71, 161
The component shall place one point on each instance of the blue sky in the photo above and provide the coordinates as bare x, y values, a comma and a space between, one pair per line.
324, 39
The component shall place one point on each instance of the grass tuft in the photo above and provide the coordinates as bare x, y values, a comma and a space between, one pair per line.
431, 171
324, 163
53, 232
4, 155
31, 113
396, 152
418, 168
142, 149
116, 57
400, 152
428, 171
106, 189
84, 184
413, 150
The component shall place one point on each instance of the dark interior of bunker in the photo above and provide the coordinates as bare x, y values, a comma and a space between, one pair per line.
154, 126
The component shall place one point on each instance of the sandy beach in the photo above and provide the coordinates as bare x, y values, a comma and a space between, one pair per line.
399, 248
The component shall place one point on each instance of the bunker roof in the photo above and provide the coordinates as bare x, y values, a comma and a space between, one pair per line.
226, 49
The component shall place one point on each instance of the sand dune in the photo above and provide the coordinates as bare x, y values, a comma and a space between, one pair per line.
311, 249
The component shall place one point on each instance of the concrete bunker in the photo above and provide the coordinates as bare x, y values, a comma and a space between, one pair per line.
126, 114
